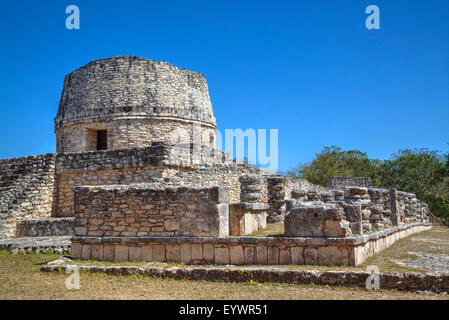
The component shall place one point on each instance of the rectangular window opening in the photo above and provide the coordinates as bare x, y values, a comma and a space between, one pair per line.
102, 139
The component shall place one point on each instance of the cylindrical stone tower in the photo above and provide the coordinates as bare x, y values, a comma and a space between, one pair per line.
126, 102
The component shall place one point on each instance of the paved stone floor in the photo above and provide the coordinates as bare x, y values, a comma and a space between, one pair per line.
431, 254
435, 262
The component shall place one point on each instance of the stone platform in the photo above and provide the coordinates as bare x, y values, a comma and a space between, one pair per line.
242, 250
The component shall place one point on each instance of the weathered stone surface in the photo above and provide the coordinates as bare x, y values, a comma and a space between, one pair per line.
180, 211
135, 254
236, 255
222, 255
121, 253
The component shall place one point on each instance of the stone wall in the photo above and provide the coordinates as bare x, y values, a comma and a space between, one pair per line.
45, 227
143, 210
161, 163
280, 188
126, 133
363, 210
340, 182
26, 190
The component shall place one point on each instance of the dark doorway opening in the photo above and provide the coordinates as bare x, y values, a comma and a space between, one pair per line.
102, 139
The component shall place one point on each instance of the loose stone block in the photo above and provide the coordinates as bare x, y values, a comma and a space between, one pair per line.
221, 255
135, 254
237, 256
121, 254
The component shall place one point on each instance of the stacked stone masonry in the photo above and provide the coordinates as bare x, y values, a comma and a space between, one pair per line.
137, 101
142, 210
354, 210
27, 187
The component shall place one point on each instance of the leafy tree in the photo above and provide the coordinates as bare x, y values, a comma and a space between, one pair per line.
421, 171
333, 161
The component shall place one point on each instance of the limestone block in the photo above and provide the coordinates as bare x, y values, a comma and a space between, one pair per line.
75, 250
197, 252
330, 256
135, 254
97, 251
273, 255
208, 252
185, 252
158, 253
86, 252
261, 255
250, 255
108, 252
236, 255
284, 256
121, 253
172, 253
311, 256
222, 255
297, 256
147, 253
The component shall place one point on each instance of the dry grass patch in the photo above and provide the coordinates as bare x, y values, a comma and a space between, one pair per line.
20, 278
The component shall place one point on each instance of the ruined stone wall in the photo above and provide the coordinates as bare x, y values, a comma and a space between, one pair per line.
160, 163
26, 190
280, 188
142, 210
365, 210
137, 100
340, 182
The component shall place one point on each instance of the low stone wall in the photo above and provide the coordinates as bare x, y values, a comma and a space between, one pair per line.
341, 182
241, 250
57, 245
387, 280
45, 227
27, 187
142, 210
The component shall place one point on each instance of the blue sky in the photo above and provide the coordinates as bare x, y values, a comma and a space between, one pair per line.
307, 68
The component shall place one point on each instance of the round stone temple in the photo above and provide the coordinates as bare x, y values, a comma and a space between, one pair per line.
126, 102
